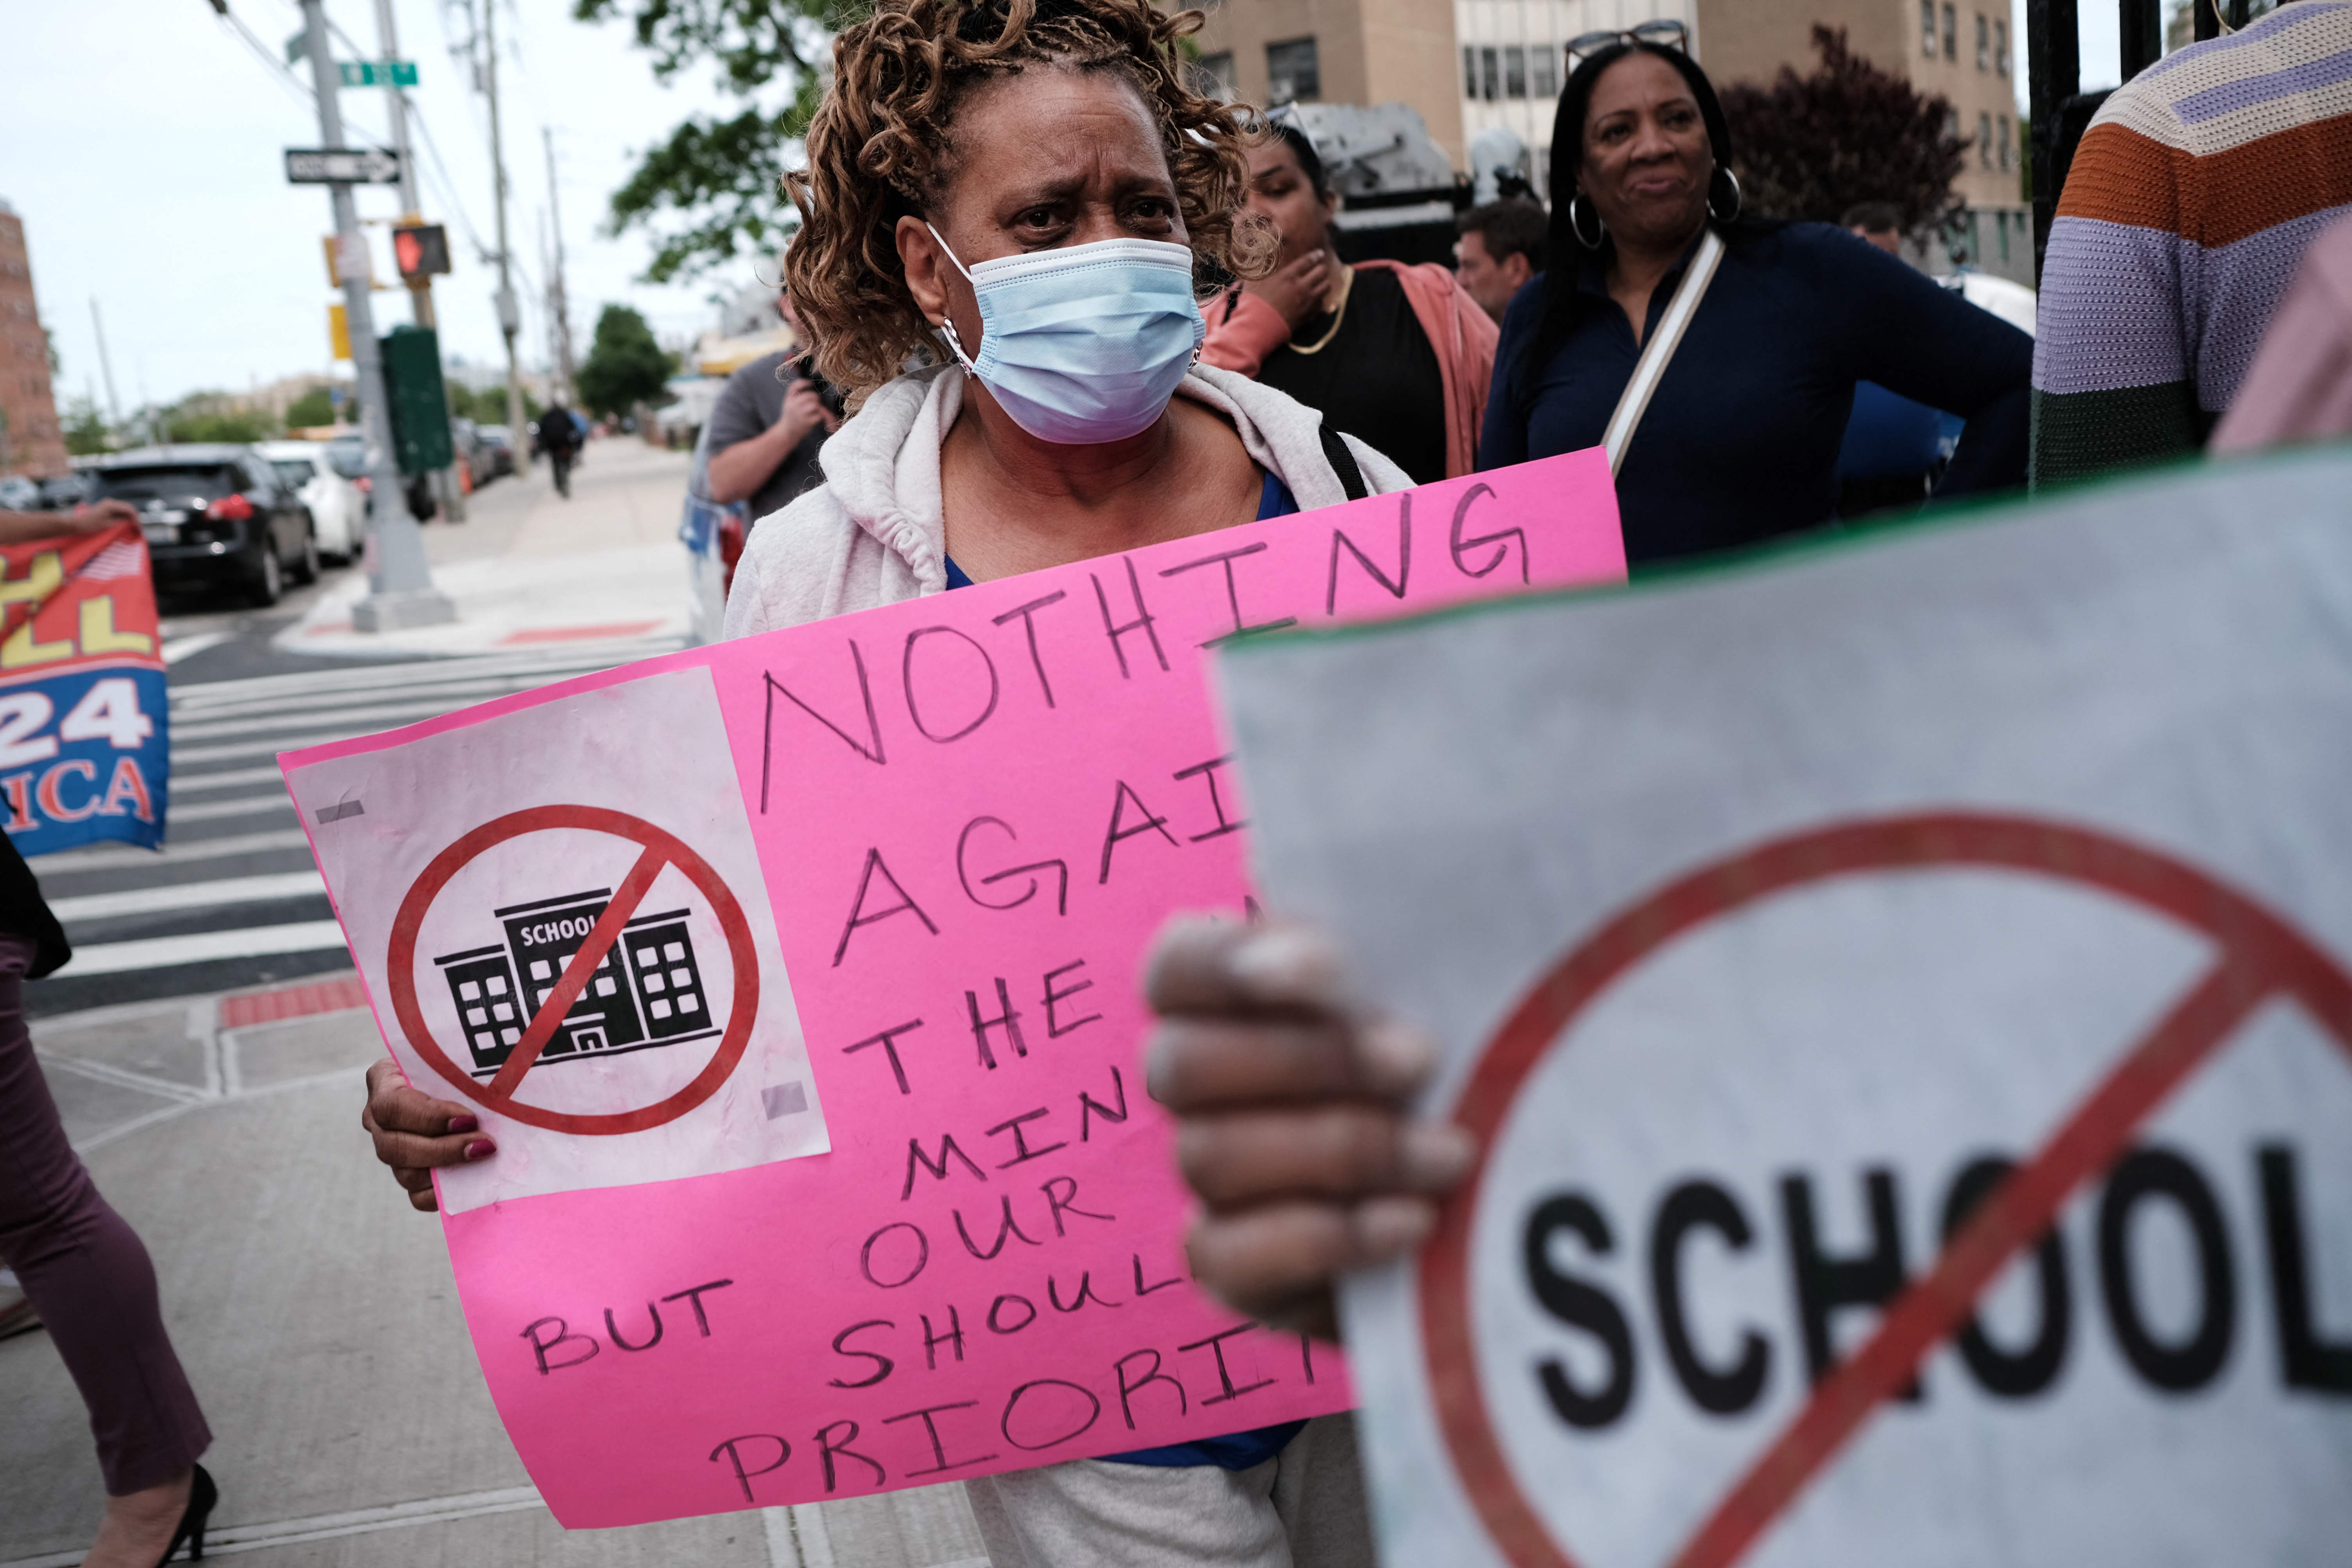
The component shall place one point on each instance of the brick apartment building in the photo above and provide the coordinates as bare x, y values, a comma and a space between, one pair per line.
1468, 64
30, 442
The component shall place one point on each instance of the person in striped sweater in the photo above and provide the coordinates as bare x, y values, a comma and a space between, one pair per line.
2194, 195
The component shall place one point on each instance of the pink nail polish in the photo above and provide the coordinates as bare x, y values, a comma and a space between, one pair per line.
464, 1123
480, 1149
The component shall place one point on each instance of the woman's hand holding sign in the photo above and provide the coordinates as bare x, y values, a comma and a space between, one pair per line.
414, 1132
1290, 1121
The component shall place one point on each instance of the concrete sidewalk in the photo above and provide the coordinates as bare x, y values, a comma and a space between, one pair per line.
530, 568
319, 1322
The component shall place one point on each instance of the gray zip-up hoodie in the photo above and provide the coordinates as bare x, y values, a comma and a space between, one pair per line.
874, 532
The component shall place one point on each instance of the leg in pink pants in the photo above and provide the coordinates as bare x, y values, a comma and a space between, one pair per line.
86, 1272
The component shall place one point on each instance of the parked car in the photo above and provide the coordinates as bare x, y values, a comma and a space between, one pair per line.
19, 493
338, 507
215, 515
347, 456
67, 491
498, 452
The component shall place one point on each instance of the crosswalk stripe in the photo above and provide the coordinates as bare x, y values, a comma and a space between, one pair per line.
188, 896
223, 780
177, 649
203, 947
214, 810
346, 716
480, 687
329, 731
548, 667
173, 853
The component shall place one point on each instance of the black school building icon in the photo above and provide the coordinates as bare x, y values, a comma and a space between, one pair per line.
646, 992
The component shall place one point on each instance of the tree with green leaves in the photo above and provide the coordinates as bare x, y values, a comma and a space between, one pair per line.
314, 408
208, 416
1811, 147
625, 366
712, 190
86, 431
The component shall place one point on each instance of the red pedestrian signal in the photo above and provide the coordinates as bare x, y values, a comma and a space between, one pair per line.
422, 250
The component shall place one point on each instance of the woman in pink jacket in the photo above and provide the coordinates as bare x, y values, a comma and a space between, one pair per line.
1397, 356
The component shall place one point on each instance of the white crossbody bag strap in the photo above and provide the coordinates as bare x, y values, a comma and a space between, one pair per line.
1651, 366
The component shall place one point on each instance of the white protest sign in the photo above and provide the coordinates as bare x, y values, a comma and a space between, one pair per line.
1904, 994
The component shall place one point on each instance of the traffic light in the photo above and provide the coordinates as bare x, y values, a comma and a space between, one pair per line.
421, 250
419, 404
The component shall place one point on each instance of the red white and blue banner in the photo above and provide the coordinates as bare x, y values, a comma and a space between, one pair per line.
84, 753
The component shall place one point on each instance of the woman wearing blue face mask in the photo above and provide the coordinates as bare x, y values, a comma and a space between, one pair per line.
1016, 190
1019, 192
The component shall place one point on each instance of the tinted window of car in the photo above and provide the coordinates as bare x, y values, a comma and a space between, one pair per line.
67, 491
295, 471
177, 482
348, 458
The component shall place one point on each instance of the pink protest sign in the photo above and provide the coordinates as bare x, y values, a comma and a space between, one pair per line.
797, 980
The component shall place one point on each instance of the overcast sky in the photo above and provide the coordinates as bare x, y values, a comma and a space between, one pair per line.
140, 142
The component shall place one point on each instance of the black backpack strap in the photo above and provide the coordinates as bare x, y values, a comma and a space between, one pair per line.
1343, 463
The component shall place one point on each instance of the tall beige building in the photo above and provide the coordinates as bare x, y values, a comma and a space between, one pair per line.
31, 442
1270, 52
1960, 49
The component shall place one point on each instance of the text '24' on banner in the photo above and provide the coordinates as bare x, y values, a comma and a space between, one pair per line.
895, 1209
84, 752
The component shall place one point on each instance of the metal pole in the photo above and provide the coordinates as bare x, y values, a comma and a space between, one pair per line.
558, 293
106, 363
2053, 66
509, 311
2140, 31
420, 290
400, 583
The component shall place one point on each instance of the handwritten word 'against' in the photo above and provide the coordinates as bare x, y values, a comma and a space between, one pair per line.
1198, 809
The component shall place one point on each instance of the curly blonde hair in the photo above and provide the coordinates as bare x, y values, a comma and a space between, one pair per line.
878, 149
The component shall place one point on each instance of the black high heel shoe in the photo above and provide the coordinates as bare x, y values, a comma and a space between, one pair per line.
202, 1495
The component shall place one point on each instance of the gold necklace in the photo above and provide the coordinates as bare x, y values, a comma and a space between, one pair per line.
1339, 314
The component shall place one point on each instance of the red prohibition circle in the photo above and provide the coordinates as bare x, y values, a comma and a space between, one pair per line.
402, 962
2263, 955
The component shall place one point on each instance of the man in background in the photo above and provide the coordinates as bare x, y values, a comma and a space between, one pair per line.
1502, 246
765, 432
558, 436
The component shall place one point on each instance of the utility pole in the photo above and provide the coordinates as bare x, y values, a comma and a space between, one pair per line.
557, 294
509, 311
420, 289
105, 363
400, 583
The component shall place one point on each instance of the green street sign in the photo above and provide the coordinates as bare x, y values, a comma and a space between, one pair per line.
378, 73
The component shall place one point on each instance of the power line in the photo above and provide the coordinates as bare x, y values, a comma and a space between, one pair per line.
277, 72
448, 186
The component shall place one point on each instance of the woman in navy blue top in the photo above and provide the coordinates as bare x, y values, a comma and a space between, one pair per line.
1740, 440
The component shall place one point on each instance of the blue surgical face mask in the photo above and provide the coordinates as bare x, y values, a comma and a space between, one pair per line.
1087, 343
